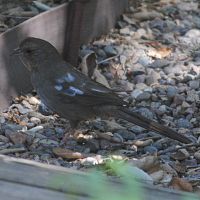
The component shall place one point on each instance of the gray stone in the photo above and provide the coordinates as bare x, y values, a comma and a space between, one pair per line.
122, 59
197, 156
162, 109
159, 63
35, 120
33, 101
125, 134
20, 108
146, 113
4, 139
192, 96
194, 84
150, 149
13, 127
45, 157
139, 79
136, 93
140, 175
48, 142
136, 129
145, 60
36, 129
110, 51
137, 69
178, 99
59, 130
188, 77
152, 77
143, 96
171, 91
101, 53
183, 123
26, 104
2, 119
124, 31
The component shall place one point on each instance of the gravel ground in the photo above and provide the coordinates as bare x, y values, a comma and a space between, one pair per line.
152, 58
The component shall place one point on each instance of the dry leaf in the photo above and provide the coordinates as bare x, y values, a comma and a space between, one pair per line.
68, 154
89, 68
143, 143
160, 52
88, 64
181, 184
98, 77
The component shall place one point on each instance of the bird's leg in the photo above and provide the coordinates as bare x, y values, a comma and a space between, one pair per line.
72, 131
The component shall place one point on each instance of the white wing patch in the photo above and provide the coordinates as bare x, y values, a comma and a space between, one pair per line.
58, 87
72, 91
69, 78
99, 90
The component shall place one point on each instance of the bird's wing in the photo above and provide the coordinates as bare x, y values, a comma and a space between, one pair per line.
75, 87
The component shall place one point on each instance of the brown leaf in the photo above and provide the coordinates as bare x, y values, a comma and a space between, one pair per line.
160, 52
22, 123
88, 64
181, 184
68, 154
98, 77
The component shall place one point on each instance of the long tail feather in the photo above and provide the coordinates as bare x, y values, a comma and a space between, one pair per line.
148, 124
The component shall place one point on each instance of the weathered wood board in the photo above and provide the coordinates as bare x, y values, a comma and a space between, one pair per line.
24, 179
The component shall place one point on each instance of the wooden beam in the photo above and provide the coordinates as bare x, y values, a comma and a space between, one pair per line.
29, 174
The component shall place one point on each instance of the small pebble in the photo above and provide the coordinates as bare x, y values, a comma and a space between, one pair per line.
110, 51
150, 149
194, 84
143, 96
35, 120
171, 91
125, 134
183, 123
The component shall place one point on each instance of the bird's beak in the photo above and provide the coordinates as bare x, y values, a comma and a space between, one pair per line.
16, 51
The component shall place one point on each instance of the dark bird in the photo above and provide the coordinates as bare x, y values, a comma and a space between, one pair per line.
73, 95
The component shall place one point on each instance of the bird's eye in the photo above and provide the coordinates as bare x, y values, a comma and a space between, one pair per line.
29, 51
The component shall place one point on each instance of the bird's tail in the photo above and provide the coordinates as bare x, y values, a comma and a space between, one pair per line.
148, 124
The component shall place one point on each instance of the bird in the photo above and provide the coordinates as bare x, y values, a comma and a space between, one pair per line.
73, 95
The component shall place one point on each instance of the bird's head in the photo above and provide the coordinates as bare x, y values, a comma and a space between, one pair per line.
34, 51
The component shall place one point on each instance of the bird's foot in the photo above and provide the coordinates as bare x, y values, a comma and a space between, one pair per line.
72, 134
66, 136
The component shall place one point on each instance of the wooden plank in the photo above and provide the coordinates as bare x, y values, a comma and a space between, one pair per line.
44, 176
14, 191
88, 19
